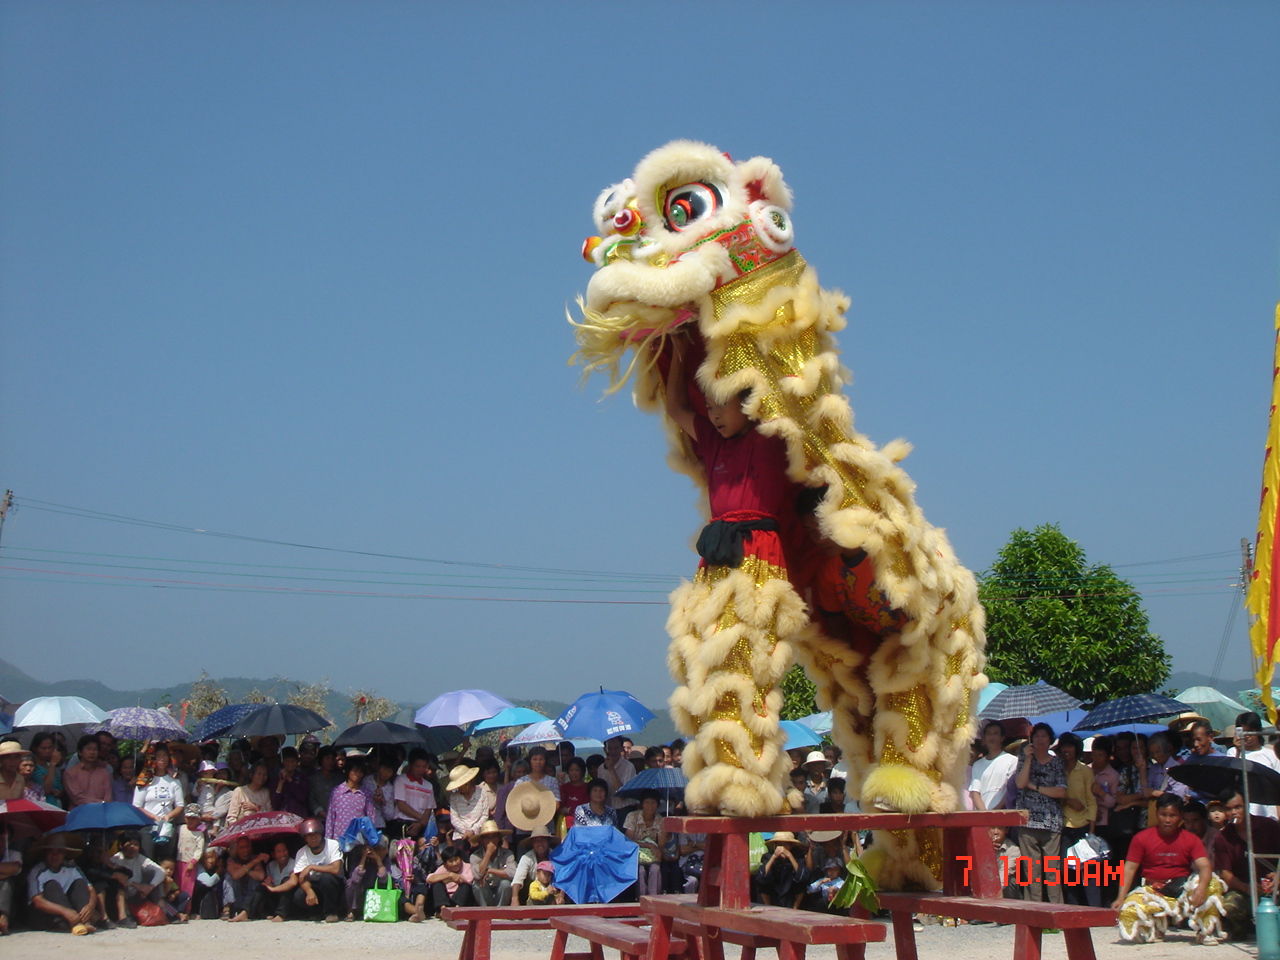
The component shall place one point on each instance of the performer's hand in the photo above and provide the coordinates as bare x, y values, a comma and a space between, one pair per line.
1119, 902
1197, 899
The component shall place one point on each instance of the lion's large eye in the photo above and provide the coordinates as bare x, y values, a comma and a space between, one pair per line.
688, 204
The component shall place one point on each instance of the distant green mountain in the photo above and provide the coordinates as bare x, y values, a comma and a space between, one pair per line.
17, 686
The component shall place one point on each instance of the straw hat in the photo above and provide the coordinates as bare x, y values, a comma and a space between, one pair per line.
538, 831
491, 829
461, 775
824, 836
531, 805
1015, 746
784, 836
1183, 721
11, 747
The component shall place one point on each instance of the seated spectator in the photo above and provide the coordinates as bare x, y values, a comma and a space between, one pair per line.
426, 860
292, 792
107, 749
206, 896
276, 888
174, 900
323, 780
348, 801
533, 849
1231, 861
371, 864
238, 762
542, 890
60, 896
492, 866
538, 772
799, 783
317, 874
469, 806
160, 796
242, 886
654, 758
837, 800
142, 879
518, 770
828, 885
108, 881
1195, 818
88, 781
596, 812
10, 867
677, 753
782, 878
643, 827
12, 783
573, 792
252, 797
414, 798
693, 848
1007, 852
451, 884
49, 762
1177, 877
566, 752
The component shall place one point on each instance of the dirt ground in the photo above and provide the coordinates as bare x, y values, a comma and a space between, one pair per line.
307, 941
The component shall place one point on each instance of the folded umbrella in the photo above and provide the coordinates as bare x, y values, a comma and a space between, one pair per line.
603, 715
108, 815
277, 720
595, 864
1029, 700
1138, 708
142, 723
459, 708
1215, 773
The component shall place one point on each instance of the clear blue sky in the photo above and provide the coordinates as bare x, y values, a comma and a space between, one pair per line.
298, 271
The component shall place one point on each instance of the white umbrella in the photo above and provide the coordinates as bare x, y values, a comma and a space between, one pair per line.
57, 712
546, 731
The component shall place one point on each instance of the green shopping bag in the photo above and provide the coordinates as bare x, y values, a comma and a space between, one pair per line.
382, 904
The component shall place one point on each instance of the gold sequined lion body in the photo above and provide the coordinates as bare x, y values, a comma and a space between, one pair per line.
695, 246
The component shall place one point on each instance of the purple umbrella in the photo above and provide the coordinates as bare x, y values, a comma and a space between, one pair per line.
142, 723
457, 708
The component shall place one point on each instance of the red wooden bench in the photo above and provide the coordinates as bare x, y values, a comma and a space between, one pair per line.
630, 941
1030, 920
479, 924
794, 930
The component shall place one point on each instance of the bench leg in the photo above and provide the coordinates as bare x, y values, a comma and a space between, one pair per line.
904, 937
790, 950
735, 872
1026, 943
1079, 944
483, 940
851, 951
558, 945
466, 951
660, 938
748, 952
711, 945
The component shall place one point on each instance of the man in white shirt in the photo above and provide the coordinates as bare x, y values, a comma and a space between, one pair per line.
415, 799
989, 780
317, 874
616, 770
1249, 730
145, 876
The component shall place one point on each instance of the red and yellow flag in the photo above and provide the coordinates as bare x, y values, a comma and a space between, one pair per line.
1263, 598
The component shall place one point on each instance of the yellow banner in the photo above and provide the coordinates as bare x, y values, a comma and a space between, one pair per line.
1262, 600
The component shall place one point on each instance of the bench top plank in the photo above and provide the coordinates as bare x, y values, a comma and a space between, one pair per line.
541, 912
845, 821
782, 923
612, 933
1063, 916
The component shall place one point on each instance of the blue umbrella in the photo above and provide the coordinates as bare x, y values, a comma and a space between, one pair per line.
1030, 700
603, 715
458, 708
798, 735
217, 724
108, 815
510, 717
664, 781
1138, 708
595, 864
818, 722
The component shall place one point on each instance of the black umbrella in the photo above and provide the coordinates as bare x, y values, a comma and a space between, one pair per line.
441, 739
1215, 773
277, 720
377, 732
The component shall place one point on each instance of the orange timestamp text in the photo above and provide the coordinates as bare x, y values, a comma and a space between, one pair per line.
1051, 871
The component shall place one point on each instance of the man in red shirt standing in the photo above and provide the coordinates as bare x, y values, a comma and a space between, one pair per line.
1177, 881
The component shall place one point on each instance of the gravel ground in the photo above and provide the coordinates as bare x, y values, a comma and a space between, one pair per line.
306, 941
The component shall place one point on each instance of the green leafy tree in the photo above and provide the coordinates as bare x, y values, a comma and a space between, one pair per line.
799, 695
1052, 616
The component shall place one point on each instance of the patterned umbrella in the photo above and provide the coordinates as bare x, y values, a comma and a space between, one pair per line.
57, 712
546, 731
30, 817
267, 825
602, 715
1138, 708
277, 720
458, 708
142, 723
1031, 700
216, 724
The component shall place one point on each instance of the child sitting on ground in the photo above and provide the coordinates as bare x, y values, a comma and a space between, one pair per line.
543, 889
173, 900
829, 885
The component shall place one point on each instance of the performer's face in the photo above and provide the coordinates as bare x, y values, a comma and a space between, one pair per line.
727, 418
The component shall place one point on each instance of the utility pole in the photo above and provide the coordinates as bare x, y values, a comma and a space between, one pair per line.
1246, 577
4, 507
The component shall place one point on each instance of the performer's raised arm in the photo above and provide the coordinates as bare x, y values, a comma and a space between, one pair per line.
677, 393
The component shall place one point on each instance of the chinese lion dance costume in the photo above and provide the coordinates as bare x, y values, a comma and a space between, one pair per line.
695, 257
